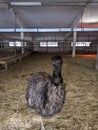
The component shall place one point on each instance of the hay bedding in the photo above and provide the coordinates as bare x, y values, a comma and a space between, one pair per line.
80, 111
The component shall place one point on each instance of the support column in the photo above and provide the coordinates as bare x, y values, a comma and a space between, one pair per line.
97, 58
74, 44
22, 43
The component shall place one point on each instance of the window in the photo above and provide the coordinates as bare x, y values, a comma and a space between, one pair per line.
17, 43
49, 44
43, 44
81, 44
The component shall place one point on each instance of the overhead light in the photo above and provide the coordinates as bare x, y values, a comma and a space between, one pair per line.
6, 29
26, 30
26, 3
47, 29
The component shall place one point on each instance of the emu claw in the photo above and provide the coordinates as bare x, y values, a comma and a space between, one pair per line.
43, 128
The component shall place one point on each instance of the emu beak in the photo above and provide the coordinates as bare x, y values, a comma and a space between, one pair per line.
53, 63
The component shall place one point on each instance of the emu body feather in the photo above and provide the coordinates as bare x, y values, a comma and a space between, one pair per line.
46, 93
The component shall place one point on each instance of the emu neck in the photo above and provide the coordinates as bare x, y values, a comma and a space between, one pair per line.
56, 76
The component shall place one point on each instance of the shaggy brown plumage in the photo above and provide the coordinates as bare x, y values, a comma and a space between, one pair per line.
46, 93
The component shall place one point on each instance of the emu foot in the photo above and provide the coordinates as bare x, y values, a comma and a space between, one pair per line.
43, 128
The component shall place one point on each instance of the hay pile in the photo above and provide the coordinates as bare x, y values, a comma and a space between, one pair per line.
80, 111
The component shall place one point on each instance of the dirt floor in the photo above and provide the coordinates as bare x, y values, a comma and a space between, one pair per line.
80, 111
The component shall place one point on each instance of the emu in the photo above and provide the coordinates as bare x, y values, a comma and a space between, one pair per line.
46, 93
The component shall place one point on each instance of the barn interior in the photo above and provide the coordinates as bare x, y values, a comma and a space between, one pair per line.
34, 30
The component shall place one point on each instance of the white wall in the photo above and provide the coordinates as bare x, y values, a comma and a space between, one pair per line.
64, 47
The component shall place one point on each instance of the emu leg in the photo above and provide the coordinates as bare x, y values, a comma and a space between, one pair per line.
42, 125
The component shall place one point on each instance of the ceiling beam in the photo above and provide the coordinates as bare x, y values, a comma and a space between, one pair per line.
25, 25
20, 22
77, 18
74, 23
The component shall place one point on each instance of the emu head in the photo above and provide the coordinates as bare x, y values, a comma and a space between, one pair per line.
57, 60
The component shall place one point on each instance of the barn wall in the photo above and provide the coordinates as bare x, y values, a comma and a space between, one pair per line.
64, 47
